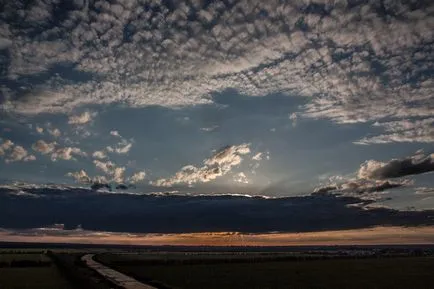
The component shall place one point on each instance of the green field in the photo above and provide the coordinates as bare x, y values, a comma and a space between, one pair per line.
410, 272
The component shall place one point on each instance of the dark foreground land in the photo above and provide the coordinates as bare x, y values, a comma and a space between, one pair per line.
275, 271
208, 268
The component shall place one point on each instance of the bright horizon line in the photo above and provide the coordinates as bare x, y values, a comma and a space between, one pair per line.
420, 235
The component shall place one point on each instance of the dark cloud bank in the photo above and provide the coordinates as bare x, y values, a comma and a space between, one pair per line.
33, 207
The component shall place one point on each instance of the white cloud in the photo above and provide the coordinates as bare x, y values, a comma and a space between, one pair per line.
354, 63
115, 133
403, 131
99, 155
83, 118
115, 173
293, 117
106, 167
5, 146
67, 153
44, 147
257, 157
118, 174
137, 177
39, 130
19, 153
80, 176
14, 153
241, 178
123, 149
54, 132
217, 165
208, 129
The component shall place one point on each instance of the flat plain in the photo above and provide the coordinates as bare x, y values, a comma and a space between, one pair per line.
396, 272
32, 276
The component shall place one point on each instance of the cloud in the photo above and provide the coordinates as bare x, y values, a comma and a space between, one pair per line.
5, 146
258, 157
187, 214
54, 132
99, 155
81, 119
219, 164
362, 189
137, 177
80, 176
115, 173
44, 147
14, 153
371, 63
395, 168
241, 178
293, 117
118, 174
424, 191
208, 129
403, 131
39, 130
106, 167
19, 153
115, 133
67, 153
123, 149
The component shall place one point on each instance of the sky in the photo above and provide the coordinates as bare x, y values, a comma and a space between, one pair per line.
202, 117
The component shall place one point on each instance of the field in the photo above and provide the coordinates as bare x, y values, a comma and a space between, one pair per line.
175, 271
8, 257
30, 271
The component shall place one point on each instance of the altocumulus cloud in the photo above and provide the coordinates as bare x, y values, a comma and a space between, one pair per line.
357, 62
14, 153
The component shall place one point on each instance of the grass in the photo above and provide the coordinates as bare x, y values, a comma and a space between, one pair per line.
32, 278
410, 272
27, 256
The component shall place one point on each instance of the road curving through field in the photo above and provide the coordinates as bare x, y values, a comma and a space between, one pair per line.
114, 276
